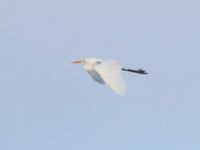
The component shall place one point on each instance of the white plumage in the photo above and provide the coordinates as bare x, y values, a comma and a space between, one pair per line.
111, 73
107, 72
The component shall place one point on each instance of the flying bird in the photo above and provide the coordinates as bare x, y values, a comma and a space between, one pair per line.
107, 72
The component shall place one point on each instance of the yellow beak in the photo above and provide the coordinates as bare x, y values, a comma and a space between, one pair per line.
77, 62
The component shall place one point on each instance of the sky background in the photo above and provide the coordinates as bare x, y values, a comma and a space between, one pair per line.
47, 103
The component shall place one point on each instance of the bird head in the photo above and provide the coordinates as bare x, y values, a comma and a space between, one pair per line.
80, 61
89, 61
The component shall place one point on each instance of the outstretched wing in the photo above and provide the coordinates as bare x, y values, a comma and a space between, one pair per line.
95, 75
110, 72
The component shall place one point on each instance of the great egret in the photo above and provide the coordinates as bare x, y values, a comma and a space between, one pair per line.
107, 72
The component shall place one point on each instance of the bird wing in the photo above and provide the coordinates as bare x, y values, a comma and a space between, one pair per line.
110, 72
95, 75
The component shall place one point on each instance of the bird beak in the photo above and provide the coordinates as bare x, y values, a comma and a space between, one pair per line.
77, 62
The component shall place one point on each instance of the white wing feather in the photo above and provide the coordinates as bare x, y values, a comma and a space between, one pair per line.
110, 72
95, 75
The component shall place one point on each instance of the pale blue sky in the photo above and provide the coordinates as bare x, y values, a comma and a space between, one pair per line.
46, 103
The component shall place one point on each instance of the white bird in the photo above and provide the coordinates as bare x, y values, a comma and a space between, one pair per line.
107, 72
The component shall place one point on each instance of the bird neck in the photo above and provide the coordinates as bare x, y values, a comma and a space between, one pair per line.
88, 67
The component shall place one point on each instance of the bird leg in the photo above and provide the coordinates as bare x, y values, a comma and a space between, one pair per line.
139, 71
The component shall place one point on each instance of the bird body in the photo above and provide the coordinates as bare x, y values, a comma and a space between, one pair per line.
107, 72
89, 65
